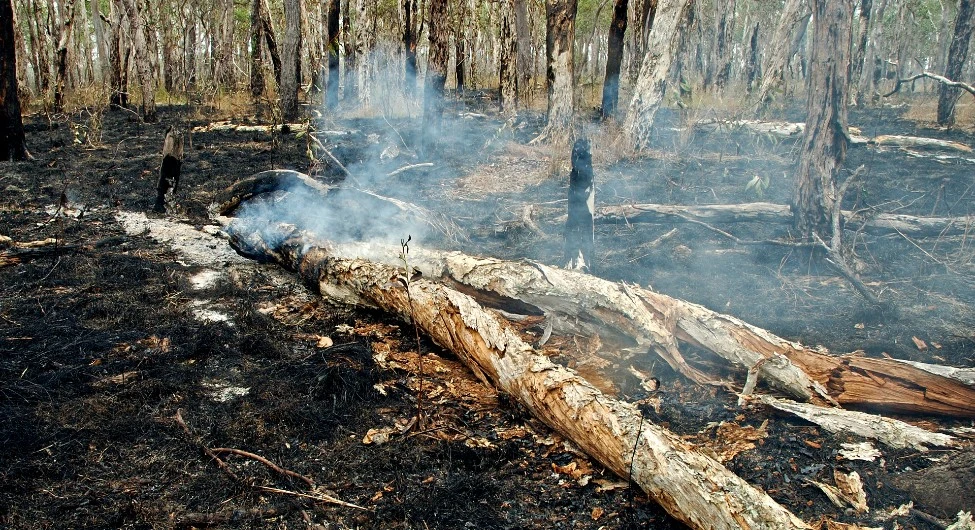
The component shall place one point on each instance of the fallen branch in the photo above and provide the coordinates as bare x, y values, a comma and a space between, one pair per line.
939, 78
690, 486
409, 167
891, 432
274, 467
226, 126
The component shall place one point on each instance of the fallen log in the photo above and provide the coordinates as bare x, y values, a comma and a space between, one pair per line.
764, 212
692, 487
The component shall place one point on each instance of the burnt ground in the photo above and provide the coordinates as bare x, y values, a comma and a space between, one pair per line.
107, 334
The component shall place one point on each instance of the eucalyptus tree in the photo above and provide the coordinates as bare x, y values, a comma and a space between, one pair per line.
957, 54
13, 145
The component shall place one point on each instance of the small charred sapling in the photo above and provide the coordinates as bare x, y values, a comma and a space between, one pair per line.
579, 233
172, 162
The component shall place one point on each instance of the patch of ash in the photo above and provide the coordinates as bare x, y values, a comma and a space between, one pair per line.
200, 247
207, 314
222, 392
205, 279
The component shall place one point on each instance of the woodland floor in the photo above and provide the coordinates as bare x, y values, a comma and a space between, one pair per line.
106, 336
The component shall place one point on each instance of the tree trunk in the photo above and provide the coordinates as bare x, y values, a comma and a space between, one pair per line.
117, 53
860, 53
461, 58
690, 486
508, 58
752, 72
291, 63
649, 90
362, 36
223, 53
142, 60
793, 13
826, 136
61, 70
351, 92
13, 145
189, 55
436, 78
410, 37
169, 40
867, 82
614, 59
560, 18
719, 68
525, 62
101, 43
257, 62
332, 86
272, 45
957, 55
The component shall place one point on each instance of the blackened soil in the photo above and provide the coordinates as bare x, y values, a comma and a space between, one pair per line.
100, 345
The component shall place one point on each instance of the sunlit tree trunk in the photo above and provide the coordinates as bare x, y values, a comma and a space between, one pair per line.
270, 41
525, 62
13, 145
560, 16
291, 61
189, 55
957, 54
362, 35
508, 81
223, 53
332, 47
142, 60
860, 53
101, 42
614, 59
826, 136
649, 90
794, 12
61, 62
117, 53
866, 82
436, 77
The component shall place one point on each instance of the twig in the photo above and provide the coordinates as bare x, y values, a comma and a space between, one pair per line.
266, 462
220, 463
318, 496
409, 167
334, 160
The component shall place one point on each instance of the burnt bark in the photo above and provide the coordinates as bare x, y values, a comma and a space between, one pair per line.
13, 145
351, 92
525, 63
257, 51
460, 45
270, 41
291, 63
957, 54
580, 235
614, 59
169, 170
332, 85
436, 78
752, 69
560, 18
826, 136
117, 54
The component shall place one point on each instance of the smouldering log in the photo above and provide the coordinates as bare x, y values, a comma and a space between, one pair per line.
692, 487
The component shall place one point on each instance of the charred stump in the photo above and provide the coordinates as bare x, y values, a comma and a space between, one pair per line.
172, 163
579, 233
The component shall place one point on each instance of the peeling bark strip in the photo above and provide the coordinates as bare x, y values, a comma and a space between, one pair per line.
692, 487
579, 233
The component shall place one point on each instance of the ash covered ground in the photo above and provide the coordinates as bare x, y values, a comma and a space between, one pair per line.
107, 335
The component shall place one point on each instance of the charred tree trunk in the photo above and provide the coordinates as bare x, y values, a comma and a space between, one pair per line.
257, 51
860, 53
270, 41
614, 59
580, 233
410, 37
649, 90
172, 163
460, 46
142, 60
957, 54
332, 86
719, 68
436, 78
826, 136
351, 92
508, 81
61, 62
291, 63
13, 145
560, 18
752, 73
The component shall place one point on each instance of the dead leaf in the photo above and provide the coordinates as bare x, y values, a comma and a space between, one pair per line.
324, 342
119, 379
379, 436
851, 486
610, 485
814, 445
919, 343
597, 513
859, 325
